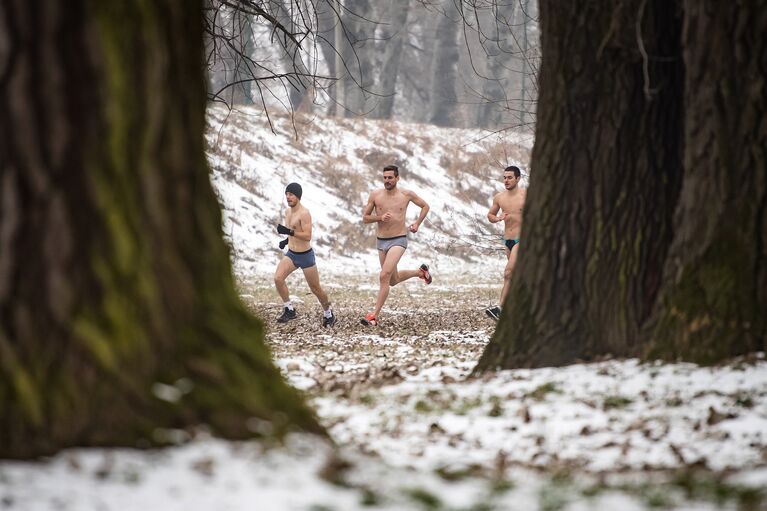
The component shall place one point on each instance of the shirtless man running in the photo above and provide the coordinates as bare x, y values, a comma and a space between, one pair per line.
511, 201
299, 255
386, 208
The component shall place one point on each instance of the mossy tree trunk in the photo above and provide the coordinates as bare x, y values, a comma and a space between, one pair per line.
118, 313
606, 172
714, 303
646, 226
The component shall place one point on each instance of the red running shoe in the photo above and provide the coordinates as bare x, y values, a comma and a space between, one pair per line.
425, 275
370, 320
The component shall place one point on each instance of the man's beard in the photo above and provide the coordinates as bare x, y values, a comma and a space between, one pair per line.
388, 186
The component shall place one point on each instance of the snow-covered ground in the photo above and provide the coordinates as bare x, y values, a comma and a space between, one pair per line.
612, 435
411, 428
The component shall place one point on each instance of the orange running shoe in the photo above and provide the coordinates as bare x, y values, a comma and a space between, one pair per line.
370, 320
425, 275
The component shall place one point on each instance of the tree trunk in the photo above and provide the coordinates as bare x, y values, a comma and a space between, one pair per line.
605, 175
358, 51
242, 74
443, 99
500, 50
300, 80
327, 24
417, 57
392, 57
715, 300
118, 313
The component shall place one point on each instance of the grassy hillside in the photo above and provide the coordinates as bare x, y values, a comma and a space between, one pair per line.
338, 162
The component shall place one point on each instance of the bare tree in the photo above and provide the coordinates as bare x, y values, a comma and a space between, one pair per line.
357, 50
329, 35
392, 57
443, 73
362, 57
271, 48
288, 47
501, 47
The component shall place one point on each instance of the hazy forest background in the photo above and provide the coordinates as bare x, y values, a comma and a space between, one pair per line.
461, 64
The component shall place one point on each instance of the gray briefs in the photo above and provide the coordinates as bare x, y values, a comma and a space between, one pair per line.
385, 244
302, 259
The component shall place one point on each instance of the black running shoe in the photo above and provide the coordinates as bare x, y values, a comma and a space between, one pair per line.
493, 312
326, 322
287, 315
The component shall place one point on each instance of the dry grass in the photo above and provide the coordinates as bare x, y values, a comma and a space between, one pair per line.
349, 237
485, 165
377, 160
352, 184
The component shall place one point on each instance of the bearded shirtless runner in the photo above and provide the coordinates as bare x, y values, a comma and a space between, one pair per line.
386, 208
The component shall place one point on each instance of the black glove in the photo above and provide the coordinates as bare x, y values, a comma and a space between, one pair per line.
281, 229
283, 243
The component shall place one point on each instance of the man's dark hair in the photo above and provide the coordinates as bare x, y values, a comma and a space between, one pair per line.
393, 168
514, 169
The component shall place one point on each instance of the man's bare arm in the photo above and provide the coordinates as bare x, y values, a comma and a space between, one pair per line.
415, 199
367, 215
493, 215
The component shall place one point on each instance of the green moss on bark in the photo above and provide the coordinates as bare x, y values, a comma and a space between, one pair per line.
152, 299
710, 314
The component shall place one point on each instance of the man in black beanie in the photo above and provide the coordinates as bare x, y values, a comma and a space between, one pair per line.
295, 189
300, 254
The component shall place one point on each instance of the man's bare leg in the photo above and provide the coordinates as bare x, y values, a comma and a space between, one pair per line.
402, 275
508, 271
389, 274
284, 268
312, 276
397, 275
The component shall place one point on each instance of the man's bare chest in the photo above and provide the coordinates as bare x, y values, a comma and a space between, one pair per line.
293, 220
512, 205
392, 204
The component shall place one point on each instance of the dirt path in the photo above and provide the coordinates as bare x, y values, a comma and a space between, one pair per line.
422, 327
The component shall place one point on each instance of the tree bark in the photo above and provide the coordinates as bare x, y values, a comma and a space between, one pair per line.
715, 301
443, 75
392, 57
242, 74
301, 79
358, 51
605, 175
417, 58
500, 50
118, 313
327, 24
